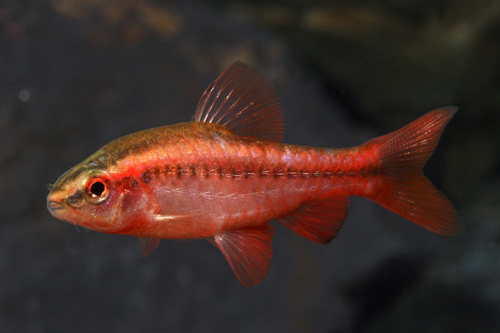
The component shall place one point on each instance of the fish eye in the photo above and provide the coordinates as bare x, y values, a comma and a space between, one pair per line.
96, 189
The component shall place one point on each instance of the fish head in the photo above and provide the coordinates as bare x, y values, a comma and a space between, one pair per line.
87, 195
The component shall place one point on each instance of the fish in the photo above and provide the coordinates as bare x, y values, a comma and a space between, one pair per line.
225, 175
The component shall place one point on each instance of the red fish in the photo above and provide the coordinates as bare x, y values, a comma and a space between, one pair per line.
225, 175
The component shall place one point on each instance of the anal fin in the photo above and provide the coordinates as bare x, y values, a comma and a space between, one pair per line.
319, 220
248, 251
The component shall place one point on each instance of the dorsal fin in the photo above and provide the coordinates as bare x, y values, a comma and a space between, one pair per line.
243, 99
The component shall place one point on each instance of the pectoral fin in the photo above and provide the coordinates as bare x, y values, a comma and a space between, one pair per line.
176, 227
148, 244
248, 251
184, 226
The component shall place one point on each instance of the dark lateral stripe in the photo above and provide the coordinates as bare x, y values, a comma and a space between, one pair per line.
129, 182
178, 171
206, 172
146, 176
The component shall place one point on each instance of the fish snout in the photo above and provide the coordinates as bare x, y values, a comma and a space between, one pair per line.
54, 203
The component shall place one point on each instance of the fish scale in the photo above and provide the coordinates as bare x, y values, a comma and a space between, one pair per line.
254, 188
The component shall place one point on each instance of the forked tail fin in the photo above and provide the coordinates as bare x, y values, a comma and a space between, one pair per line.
401, 186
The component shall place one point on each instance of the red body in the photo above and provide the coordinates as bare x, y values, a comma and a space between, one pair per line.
225, 176
232, 182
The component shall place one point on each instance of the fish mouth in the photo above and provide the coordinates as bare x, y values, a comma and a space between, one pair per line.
53, 206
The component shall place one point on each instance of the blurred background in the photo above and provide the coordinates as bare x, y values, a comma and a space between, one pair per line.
76, 74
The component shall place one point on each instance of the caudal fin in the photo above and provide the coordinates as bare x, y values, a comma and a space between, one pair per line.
402, 187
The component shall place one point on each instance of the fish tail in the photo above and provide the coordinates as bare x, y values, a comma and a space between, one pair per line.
401, 186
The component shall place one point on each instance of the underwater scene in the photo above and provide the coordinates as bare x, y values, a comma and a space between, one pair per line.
249, 166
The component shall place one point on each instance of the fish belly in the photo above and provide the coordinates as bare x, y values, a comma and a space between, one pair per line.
239, 202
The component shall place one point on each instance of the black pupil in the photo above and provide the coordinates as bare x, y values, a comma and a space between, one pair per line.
97, 188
